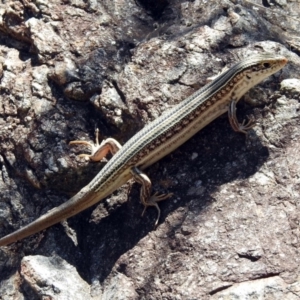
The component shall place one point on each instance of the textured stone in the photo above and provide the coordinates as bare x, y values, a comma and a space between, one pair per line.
231, 228
53, 278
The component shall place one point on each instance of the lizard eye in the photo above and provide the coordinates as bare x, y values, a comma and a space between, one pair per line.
267, 65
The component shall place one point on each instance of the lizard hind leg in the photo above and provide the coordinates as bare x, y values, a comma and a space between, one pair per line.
99, 151
146, 198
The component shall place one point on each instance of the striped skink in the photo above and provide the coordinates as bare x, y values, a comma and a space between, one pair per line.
159, 138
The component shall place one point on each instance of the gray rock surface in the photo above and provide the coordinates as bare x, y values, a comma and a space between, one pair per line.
231, 230
53, 278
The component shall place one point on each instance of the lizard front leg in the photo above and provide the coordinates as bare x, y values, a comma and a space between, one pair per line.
236, 126
98, 151
146, 198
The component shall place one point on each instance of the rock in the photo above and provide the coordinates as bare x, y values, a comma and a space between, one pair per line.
231, 228
54, 278
266, 288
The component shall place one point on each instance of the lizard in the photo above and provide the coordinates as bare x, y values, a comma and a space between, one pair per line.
159, 138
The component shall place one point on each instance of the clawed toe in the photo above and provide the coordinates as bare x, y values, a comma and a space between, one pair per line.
156, 197
236, 126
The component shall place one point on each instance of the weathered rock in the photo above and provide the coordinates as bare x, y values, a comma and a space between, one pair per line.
265, 288
53, 278
232, 227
